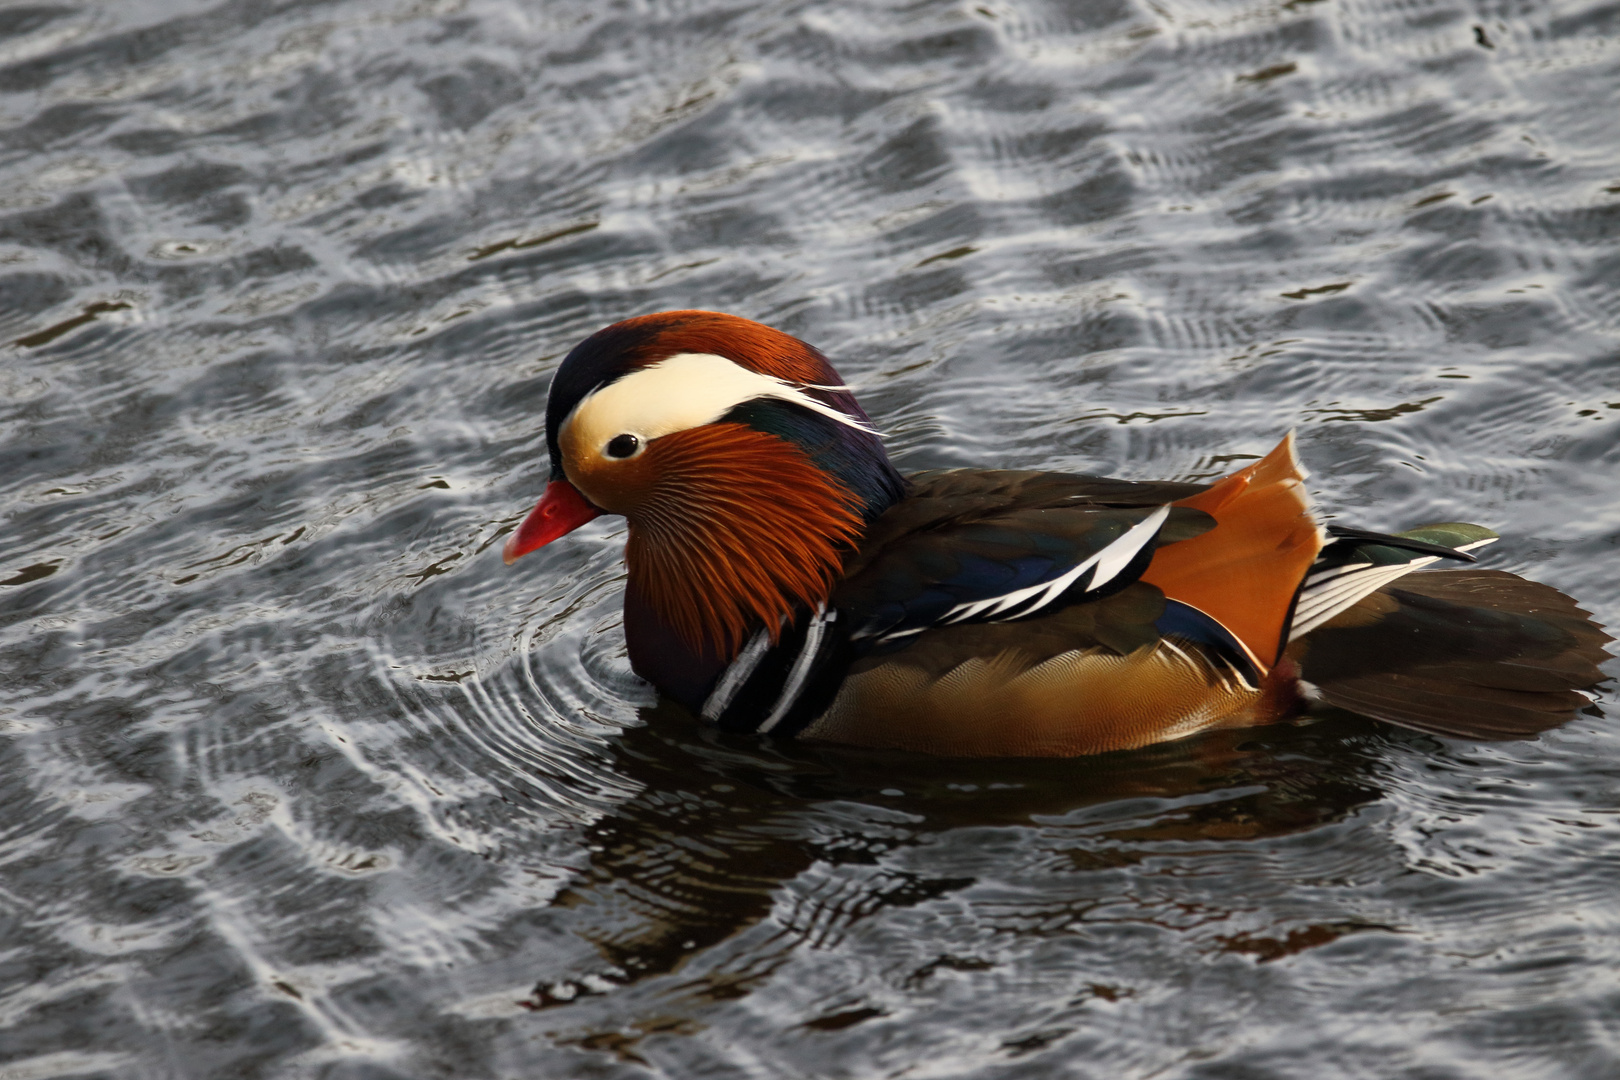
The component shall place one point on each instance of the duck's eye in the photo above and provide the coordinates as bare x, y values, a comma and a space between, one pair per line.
623, 446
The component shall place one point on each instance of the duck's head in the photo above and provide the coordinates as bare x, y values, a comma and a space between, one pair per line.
744, 466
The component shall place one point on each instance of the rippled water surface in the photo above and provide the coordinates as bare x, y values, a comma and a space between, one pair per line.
297, 779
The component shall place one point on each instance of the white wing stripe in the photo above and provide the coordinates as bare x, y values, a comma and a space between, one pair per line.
1329, 592
1318, 577
1107, 564
1118, 555
1317, 606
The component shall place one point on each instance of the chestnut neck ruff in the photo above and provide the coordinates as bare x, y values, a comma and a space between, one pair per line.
742, 529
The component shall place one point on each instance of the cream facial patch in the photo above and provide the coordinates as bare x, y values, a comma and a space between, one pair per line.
685, 391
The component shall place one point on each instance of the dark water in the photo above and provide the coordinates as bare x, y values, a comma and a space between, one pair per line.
296, 779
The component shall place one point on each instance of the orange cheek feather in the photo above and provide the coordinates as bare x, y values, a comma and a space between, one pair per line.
730, 528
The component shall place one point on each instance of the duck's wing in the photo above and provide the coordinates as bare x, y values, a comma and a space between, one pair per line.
975, 546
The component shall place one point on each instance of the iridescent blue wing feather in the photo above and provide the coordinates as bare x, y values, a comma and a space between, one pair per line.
973, 546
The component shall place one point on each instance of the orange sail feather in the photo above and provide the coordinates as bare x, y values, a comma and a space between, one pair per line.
1245, 571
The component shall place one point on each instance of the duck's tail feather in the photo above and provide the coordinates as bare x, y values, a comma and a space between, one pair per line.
1478, 654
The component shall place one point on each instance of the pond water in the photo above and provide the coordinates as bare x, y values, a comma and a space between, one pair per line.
297, 779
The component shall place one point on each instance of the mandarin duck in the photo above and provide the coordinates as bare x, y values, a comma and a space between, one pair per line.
784, 578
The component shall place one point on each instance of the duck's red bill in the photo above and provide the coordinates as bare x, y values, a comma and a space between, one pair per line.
560, 511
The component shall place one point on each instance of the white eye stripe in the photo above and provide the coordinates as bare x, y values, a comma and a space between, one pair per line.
685, 391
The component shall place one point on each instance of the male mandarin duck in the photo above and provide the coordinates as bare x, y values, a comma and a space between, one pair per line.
783, 577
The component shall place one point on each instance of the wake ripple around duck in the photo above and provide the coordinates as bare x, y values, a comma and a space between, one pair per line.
527, 719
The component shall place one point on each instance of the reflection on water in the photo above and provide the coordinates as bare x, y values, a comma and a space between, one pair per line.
722, 824
298, 779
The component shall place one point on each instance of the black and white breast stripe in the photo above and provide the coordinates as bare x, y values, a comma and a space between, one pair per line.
781, 688
733, 678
